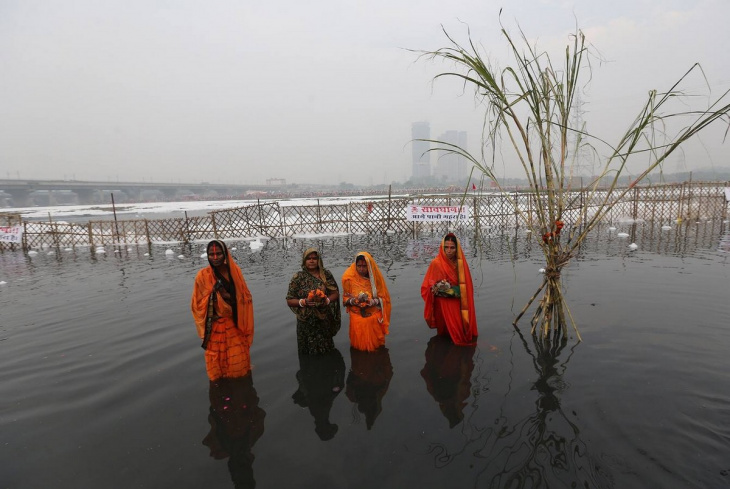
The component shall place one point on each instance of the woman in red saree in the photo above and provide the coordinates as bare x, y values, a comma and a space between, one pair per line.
223, 313
366, 298
448, 292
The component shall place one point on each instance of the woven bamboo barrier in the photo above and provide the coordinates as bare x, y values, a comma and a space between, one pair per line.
691, 201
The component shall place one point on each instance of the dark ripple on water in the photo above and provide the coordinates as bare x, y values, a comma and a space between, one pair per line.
103, 382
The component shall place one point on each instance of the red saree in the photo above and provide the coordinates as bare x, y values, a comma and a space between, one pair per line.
452, 316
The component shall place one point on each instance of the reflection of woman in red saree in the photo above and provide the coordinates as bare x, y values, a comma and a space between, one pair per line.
449, 294
447, 374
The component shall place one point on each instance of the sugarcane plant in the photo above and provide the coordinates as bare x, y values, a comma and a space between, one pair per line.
528, 107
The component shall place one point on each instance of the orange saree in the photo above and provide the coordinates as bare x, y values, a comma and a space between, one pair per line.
452, 316
368, 325
231, 335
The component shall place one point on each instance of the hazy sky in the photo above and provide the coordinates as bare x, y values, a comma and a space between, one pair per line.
317, 90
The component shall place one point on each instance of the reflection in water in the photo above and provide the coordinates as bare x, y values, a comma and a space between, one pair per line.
368, 381
236, 423
543, 449
448, 376
724, 245
321, 378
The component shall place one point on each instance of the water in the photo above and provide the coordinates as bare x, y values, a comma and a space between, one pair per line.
103, 383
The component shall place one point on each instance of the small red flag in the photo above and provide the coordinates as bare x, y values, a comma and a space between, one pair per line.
473, 186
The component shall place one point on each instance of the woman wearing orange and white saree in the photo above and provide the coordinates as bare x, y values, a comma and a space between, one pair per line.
449, 294
367, 300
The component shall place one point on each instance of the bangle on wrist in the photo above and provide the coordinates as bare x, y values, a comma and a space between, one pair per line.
328, 300
301, 302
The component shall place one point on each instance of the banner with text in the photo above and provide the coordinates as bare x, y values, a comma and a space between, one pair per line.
431, 213
11, 234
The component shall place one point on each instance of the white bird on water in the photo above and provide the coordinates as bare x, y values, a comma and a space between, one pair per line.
633, 246
256, 244
623, 235
169, 252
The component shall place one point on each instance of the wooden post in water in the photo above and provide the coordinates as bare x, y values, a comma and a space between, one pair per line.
390, 188
681, 202
54, 231
348, 217
25, 236
475, 214
282, 219
261, 216
689, 197
215, 230
635, 210
186, 237
114, 210
91, 235
319, 218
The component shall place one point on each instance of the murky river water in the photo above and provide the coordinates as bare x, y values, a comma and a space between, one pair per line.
102, 379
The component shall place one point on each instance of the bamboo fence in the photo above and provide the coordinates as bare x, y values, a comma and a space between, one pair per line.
669, 203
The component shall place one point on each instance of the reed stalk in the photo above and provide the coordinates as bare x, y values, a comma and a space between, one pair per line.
528, 107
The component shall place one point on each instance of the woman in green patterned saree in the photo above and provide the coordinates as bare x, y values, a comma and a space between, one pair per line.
313, 296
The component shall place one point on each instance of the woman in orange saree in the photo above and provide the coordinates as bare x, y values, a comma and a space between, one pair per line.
448, 292
223, 313
367, 300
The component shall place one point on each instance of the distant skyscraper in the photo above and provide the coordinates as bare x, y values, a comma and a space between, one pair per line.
452, 167
421, 156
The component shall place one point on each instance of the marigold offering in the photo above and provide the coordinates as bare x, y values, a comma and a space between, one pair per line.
316, 295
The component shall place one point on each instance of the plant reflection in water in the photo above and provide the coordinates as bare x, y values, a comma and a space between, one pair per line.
543, 448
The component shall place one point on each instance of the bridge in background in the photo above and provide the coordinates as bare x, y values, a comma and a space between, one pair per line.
23, 193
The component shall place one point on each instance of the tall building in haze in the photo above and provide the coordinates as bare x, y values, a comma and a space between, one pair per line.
421, 156
452, 167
